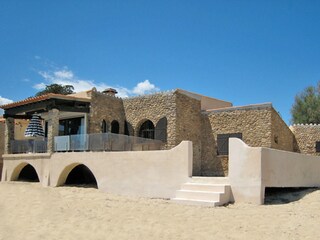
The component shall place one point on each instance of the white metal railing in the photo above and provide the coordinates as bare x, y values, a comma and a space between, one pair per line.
104, 142
29, 146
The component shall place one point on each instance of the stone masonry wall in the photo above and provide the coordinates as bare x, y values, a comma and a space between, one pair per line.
281, 136
254, 124
189, 126
108, 108
152, 107
8, 134
2, 127
306, 137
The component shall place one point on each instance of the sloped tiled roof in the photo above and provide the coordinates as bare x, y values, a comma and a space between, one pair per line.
42, 98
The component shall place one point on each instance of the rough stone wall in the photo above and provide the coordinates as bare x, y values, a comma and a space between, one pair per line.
189, 126
210, 165
306, 137
108, 108
2, 127
281, 136
53, 128
253, 123
152, 107
8, 134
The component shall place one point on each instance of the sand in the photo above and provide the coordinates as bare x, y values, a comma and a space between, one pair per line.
30, 211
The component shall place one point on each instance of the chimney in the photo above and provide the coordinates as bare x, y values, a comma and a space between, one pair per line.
110, 91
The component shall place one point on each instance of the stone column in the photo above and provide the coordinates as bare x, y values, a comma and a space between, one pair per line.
8, 135
53, 128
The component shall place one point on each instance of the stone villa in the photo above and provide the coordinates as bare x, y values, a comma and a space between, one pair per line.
168, 118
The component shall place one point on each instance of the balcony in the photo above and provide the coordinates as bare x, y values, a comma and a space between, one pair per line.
29, 146
87, 142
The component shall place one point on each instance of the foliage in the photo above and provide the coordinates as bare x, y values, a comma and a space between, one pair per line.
56, 88
306, 108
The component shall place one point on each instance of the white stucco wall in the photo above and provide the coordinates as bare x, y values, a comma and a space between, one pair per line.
138, 173
253, 169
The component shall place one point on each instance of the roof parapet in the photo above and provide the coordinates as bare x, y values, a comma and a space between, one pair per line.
235, 108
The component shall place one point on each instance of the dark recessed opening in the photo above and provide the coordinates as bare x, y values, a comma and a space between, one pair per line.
81, 176
115, 127
318, 146
147, 130
28, 174
278, 195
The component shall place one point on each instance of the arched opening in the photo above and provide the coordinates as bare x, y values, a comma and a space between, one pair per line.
104, 126
147, 130
81, 176
115, 126
28, 174
161, 130
128, 129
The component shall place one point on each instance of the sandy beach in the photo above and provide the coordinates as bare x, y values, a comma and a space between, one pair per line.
30, 211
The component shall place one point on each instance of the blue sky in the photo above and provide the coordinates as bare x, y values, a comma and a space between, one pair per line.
240, 51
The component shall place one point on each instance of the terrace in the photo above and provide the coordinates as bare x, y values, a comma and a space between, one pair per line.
86, 143
64, 125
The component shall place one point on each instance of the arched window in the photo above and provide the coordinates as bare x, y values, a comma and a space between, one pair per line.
161, 130
104, 126
147, 130
115, 126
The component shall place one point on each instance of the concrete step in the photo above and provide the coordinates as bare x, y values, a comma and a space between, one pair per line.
204, 191
198, 195
204, 187
195, 202
210, 180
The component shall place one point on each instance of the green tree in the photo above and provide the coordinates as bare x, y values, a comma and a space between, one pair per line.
306, 107
56, 88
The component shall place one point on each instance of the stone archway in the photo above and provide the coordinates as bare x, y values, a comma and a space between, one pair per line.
147, 129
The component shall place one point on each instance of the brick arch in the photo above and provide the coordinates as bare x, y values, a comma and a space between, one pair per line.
17, 170
67, 170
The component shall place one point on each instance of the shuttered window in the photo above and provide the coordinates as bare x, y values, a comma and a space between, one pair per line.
223, 142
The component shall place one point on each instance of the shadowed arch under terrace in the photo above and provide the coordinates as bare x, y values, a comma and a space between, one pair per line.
77, 174
25, 172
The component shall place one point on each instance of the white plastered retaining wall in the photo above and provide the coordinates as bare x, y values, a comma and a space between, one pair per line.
252, 169
138, 173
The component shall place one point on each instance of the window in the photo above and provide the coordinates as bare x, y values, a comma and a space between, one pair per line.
115, 127
147, 130
318, 146
223, 142
104, 127
46, 129
71, 126
161, 130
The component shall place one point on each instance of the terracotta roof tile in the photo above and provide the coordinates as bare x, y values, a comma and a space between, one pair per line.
41, 98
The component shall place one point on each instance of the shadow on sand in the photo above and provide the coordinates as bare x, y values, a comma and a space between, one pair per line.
80, 186
274, 196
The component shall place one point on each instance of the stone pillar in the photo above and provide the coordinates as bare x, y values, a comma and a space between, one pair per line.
8, 135
53, 128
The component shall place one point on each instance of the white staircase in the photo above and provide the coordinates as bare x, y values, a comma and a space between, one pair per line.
204, 191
